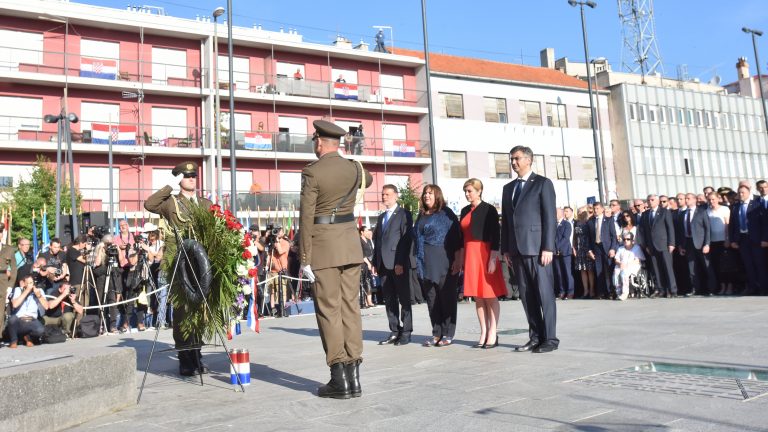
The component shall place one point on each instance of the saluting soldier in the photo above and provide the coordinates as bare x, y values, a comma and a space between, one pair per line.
331, 255
177, 210
7, 276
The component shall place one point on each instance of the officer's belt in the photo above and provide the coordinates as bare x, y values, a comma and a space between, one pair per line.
334, 219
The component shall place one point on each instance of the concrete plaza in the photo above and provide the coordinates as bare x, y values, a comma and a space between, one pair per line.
584, 386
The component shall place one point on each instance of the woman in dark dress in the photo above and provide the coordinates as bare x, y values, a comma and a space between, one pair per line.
439, 256
583, 263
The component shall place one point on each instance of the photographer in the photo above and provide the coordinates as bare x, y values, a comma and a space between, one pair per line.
62, 309
154, 247
26, 301
77, 259
133, 280
106, 262
41, 275
124, 241
278, 265
55, 258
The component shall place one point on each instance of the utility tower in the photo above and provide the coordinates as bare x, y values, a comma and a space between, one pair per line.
639, 52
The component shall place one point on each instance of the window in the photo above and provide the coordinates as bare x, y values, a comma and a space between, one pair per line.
556, 114
699, 120
500, 166
293, 125
758, 124
680, 117
348, 125
643, 111
289, 181
632, 112
391, 86
743, 122
589, 166
349, 76
749, 124
662, 115
687, 166
6, 182
19, 113
23, 47
690, 117
585, 117
169, 123
495, 110
455, 164
162, 177
99, 59
671, 115
397, 180
284, 69
563, 167
652, 114
392, 136
724, 120
240, 71
94, 185
168, 63
451, 105
707, 119
92, 112
530, 113
538, 165
734, 121
716, 120
243, 181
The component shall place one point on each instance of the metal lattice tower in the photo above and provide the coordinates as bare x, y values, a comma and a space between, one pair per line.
639, 52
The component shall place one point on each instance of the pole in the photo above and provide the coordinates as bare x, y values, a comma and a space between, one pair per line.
592, 108
111, 185
562, 143
232, 162
433, 156
58, 176
73, 211
217, 114
600, 134
760, 81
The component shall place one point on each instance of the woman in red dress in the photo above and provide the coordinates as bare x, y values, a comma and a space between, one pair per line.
483, 278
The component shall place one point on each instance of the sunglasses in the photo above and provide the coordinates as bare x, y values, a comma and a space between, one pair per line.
192, 175
664, 202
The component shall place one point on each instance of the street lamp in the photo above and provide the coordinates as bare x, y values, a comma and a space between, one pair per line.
604, 62
756, 33
433, 156
232, 163
219, 11
63, 128
562, 144
598, 160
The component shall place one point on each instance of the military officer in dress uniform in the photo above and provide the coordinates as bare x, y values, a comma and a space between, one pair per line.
331, 255
7, 274
176, 210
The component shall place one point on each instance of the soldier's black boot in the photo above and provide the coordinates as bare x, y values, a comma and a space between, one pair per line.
338, 386
353, 377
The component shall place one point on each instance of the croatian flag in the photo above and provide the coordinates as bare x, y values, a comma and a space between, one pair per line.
98, 68
258, 141
118, 134
403, 149
345, 91
253, 313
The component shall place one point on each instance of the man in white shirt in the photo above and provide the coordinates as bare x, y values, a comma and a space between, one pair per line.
26, 302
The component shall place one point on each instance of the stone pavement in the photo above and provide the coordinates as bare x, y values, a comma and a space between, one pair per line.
458, 388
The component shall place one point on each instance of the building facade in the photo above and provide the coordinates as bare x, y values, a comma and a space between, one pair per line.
144, 87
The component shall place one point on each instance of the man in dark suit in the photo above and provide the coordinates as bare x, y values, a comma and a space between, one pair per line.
656, 235
528, 241
563, 252
749, 233
392, 260
693, 243
603, 244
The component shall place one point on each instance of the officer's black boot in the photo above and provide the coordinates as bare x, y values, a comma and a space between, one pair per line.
338, 386
353, 377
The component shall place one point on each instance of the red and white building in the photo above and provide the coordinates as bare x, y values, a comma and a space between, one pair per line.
146, 83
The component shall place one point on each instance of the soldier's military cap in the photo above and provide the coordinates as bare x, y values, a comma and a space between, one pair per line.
185, 168
326, 129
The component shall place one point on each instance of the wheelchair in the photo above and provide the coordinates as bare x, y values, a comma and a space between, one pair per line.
642, 283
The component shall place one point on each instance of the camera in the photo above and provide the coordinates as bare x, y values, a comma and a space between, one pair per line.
112, 252
57, 272
272, 231
72, 290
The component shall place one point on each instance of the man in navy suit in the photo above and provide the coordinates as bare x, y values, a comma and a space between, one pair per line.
748, 234
693, 242
656, 235
392, 259
528, 242
563, 251
603, 244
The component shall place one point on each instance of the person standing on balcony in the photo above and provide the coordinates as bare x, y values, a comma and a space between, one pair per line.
297, 75
358, 138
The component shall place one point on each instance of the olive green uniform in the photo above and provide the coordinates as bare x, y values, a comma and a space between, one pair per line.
7, 261
334, 253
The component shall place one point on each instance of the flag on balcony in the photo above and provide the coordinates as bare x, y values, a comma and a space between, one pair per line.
345, 91
258, 141
98, 68
119, 134
403, 149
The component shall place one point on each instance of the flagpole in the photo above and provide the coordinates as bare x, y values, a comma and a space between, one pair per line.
111, 185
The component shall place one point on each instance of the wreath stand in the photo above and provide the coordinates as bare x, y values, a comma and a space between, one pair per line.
181, 252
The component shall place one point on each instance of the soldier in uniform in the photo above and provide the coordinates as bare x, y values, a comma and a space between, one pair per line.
176, 210
7, 276
331, 255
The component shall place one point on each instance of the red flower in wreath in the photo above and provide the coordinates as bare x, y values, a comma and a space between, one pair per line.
228, 214
215, 208
253, 272
238, 226
247, 254
246, 241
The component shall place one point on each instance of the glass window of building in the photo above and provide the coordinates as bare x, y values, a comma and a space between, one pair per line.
530, 113
500, 166
707, 119
95, 112
348, 75
20, 114
680, 117
538, 166
652, 114
241, 71
556, 115
563, 167
455, 164
690, 117
758, 124
451, 105
716, 120
283, 69
699, 120
734, 121
589, 166
643, 112
671, 115
22, 48
168, 63
662, 115
632, 112
495, 109
391, 86
585, 117
99, 178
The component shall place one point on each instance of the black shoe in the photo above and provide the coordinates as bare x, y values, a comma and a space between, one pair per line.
529, 346
389, 340
403, 339
187, 372
338, 386
353, 377
494, 345
545, 348
480, 345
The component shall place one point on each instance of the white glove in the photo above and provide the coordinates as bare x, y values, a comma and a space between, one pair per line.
307, 270
179, 177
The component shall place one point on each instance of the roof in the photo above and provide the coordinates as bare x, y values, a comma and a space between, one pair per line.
483, 68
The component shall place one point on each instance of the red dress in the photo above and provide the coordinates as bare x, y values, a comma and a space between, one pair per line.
477, 281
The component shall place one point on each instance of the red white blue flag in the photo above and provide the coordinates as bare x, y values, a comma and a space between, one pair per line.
118, 134
345, 91
253, 309
98, 68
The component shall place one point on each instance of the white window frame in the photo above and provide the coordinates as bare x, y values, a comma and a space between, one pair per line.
98, 112
168, 63
170, 124
18, 47
392, 86
240, 71
93, 184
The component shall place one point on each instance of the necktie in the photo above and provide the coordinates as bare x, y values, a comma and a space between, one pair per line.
598, 227
651, 215
743, 218
688, 225
386, 221
516, 191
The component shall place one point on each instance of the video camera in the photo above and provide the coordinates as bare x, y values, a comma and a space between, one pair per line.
271, 234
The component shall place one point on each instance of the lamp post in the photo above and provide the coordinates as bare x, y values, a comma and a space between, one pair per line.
433, 157
232, 162
63, 122
754, 34
219, 11
598, 160
50, 118
562, 143
604, 62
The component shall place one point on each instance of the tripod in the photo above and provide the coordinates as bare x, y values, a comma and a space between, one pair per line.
181, 253
84, 296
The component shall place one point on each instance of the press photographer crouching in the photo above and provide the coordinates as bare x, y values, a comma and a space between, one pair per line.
277, 247
63, 309
26, 302
107, 273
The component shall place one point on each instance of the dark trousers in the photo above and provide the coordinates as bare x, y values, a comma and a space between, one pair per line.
682, 274
19, 328
397, 300
603, 272
442, 305
189, 358
662, 268
563, 275
538, 297
702, 274
753, 257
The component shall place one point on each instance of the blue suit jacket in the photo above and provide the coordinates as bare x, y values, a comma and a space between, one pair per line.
563, 238
529, 228
392, 245
757, 222
608, 237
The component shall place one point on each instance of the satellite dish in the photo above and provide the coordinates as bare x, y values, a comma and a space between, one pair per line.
715, 80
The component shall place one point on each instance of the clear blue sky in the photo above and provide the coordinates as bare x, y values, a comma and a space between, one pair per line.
704, 34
